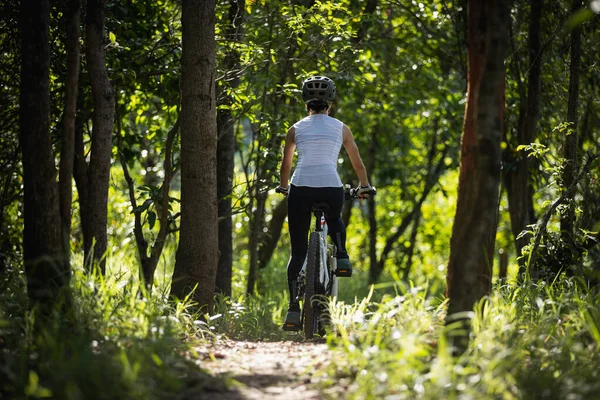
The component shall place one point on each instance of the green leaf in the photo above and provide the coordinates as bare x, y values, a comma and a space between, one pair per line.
151, 219
112, 37
144, 206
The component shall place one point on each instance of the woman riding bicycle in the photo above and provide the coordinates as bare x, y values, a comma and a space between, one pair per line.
318, 138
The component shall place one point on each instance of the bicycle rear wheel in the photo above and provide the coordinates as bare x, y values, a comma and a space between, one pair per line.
326, 292
313, 266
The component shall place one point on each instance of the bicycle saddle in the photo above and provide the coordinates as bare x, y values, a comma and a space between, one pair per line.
319, 207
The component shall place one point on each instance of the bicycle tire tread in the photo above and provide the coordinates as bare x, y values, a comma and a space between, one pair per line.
312, 274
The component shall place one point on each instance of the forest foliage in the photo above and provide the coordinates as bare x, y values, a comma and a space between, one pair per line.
401, 72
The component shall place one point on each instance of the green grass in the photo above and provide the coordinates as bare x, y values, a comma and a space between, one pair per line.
118, 343
529, 342
250, 318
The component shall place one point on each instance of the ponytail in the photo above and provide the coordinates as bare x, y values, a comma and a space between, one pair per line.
317, 105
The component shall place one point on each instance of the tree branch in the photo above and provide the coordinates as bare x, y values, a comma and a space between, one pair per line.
142, 244
164, 211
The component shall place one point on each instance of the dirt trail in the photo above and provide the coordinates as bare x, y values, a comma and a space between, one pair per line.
265, 370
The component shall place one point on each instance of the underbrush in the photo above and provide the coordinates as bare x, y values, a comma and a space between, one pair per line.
117, 343
536, 341
250, 318
533, 341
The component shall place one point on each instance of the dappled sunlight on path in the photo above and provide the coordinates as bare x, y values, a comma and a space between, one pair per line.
265, 370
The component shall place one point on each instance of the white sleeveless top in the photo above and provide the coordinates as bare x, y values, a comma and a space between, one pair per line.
318, 139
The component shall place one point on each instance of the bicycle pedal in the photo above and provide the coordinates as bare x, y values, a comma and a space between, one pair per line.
291, 327
343, 273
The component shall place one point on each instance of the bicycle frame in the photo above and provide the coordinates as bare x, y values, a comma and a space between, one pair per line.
328, 260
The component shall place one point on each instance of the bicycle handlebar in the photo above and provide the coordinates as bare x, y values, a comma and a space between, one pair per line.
352, 193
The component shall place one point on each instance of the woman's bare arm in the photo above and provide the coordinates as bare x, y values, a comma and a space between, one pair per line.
354, 155
288, 157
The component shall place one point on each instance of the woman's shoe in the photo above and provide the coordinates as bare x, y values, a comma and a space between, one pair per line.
292, 319
344, 267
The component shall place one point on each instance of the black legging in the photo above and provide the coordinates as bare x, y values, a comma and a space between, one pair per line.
300, 198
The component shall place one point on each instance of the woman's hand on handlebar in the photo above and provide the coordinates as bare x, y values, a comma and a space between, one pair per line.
363, 192
282, 190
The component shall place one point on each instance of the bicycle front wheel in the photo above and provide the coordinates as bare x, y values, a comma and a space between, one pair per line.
313, 269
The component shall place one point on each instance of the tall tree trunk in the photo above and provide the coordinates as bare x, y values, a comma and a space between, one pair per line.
254, 241
518, 185
226, 151
567, 220
45, 267
474, 229
80, 171
503, 270
102, 123
198, 252
225, 168
67, 154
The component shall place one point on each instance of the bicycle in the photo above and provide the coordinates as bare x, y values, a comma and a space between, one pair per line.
317, 279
